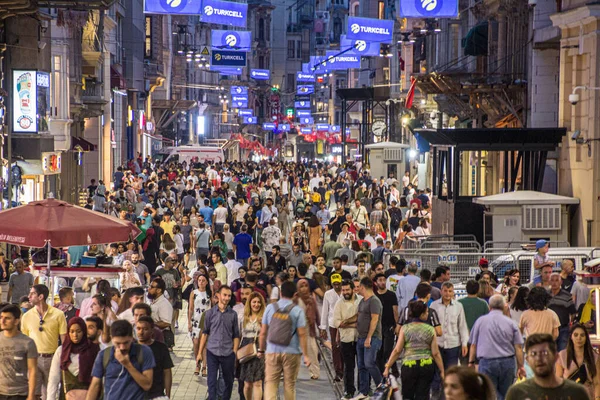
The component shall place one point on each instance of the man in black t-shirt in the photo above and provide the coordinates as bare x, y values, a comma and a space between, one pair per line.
337, 269
389, 318
162, 376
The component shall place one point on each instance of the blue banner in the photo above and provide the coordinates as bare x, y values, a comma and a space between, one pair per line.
228, 58
303, 113
260, 74
250, 120
347, 131
306, 131
334, 129
223, 12
318, 64
173, 7
302, 104
305, 89
307, 121
268, 126
239, 90
226, 70
323, 127
428, 9
337, 61
239, 104
239, 97
231, 40
370, 29
246, 112
284, 128
304, 77
359, 46
306, 68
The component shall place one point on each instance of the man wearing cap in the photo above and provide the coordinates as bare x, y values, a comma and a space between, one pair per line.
270, 236
484, 267
330, 299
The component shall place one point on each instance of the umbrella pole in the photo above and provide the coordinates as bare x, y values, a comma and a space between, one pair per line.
50, 282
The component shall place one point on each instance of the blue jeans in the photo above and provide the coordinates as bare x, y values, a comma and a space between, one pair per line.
501, 372
367, 364
227, 367
563, 338
449, 358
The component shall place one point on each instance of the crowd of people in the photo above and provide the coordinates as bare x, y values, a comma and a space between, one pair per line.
270, 263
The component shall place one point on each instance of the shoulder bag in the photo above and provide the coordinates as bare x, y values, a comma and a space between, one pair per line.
248, 352
73, 394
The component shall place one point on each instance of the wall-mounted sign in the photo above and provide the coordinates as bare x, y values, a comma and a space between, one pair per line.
336, 149
359, 46
223, 12
172, 6
336, 61
228, 58
51, 162
428, 9
371, 29
260, 74
231, 40
43, 79
149, 126
24, 110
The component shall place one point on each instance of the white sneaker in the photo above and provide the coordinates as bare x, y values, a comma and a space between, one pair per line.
360, 396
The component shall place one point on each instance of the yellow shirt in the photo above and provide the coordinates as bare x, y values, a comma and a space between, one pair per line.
221, 273
168, 227
54, 325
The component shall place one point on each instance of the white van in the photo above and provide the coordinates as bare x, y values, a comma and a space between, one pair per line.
186, 154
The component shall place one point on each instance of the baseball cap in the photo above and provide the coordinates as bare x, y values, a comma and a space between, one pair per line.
483, 262
336, 278
148, 205
540, 243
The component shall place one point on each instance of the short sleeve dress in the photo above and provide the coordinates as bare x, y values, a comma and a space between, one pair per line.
201, 305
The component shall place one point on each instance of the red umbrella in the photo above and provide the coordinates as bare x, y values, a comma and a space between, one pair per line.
57, 223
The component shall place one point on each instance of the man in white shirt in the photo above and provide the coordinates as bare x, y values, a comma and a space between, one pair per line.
406, 179
344, 310
270, 236
314, 182
239, 210
268, 212
330, 299
219, 217
360, 215
232, 268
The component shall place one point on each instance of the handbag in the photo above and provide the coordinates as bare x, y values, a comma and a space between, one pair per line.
73, 394
248, 352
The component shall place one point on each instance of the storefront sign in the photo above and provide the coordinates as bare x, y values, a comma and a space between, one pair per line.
51, 163
231, 40
336, 61
260, 74
371, 29
24, 110
336, 149
305, 89
359, 46
224, 12
305, 77
239, 90
428, 9
172, 6
228, 58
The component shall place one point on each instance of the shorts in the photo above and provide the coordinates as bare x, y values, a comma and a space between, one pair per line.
186, 248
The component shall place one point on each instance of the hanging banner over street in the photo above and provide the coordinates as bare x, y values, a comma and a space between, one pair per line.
250, 120
239, 97
268, 126
336, 61
428, 9
334, 129
228, 58
305, 89
305, 77
303, 113
359, 46
231, 40
239, 90
246, 112
239, 104
323, 127
226, 70
302, 104
307, 121
260, 74
371, 29
223, 12
284, 128
306, 131
180, 7
317, 64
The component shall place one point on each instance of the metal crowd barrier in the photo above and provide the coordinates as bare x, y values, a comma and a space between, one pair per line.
498, 246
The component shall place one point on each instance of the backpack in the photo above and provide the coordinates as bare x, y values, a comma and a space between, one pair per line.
396, 217
108, 353
280, 328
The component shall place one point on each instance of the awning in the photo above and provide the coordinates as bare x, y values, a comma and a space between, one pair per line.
116, 79
81, 145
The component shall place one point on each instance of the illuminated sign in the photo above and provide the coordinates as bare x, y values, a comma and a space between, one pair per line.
51, 163
231, 40
428, 9
224, 12
370, 29
24, 110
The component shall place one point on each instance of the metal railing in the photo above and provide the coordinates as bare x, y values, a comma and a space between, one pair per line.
497, 246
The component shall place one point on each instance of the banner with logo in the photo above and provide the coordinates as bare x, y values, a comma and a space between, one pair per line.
24, 107
428, 9
231, 40
306, 131
359, 46
239, 97
302, 104
260, 74
250, 120
322, 127
334, 129
306, 68
305, 89
318, 64
371, 29
336, 61
181, 7
228, 58
307, 121
226, 70
284, 128
223, 12
268, 126
238, 90
246, 112
305, 77
239, 104
303, 113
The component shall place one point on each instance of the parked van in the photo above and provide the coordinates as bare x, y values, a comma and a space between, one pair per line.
186, 154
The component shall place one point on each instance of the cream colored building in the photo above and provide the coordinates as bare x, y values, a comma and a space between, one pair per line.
579, 166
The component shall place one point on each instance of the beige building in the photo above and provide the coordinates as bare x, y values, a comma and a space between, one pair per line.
579, 166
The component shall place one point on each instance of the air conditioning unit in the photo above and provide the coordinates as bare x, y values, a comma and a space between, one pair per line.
324, 15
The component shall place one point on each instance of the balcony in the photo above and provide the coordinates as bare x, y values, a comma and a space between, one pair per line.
92, 96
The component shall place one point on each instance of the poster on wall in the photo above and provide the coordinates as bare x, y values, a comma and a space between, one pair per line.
24, 110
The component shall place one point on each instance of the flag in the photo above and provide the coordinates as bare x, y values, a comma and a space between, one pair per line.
411, 93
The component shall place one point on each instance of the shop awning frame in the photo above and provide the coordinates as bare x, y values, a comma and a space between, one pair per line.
81, 145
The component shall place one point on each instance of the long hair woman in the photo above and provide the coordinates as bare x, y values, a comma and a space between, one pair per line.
307, 302
519, 304
200, 302
511, 279
314, 235
578, 362
418, 340
252, 372
538, 318
72, 362
463, 383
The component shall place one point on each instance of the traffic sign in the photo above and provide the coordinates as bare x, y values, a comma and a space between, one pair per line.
205, 51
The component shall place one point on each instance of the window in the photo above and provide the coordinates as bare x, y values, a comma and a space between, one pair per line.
299, 49
261, 29
148, 41
337, 29
541, 217
291, 50
58, 95
381, 10
291, 82
119, 40
261, 62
